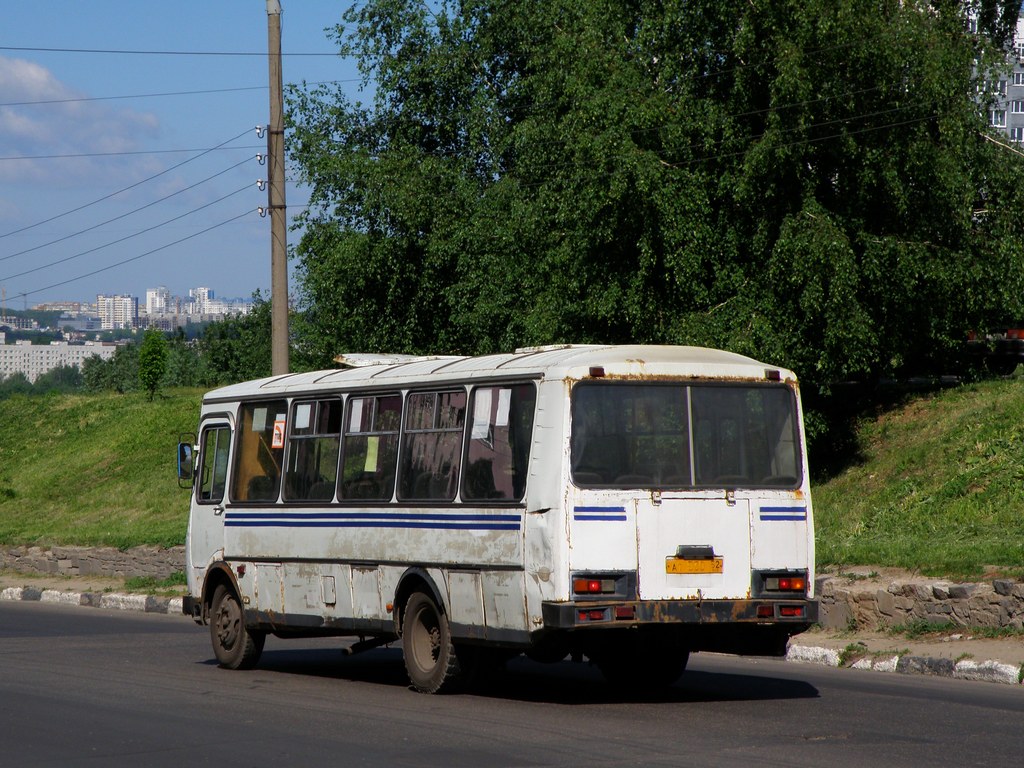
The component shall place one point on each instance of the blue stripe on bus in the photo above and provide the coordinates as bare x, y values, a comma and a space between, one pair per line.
614, 514
425, 520
791, 514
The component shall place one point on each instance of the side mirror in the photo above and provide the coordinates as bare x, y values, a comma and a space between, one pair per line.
186, 465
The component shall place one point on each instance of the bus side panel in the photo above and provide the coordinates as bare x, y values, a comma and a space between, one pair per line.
383, 534
466, 598
366, 595
268, 587
505, 600
545, 527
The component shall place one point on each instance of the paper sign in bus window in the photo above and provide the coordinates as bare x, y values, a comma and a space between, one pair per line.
482, 415
356, 419
372, 445
278, 440
504, 401
259, 419
302, 414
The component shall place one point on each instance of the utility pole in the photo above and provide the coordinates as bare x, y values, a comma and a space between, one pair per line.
275, 186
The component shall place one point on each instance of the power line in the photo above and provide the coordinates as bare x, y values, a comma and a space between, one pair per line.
125, 238
122, 154
123, 215
126, 52
124, 189
160, 95
25, 294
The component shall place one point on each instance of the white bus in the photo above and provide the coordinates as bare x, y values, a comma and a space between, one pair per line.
627, 504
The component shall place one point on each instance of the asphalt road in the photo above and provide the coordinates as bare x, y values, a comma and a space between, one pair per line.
88, 687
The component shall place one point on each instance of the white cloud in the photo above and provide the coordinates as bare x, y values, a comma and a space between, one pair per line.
63, 126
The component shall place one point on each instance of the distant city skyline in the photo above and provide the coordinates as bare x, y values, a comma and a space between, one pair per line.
140, 295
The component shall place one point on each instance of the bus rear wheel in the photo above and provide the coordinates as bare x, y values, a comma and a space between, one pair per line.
234, 645
430, 657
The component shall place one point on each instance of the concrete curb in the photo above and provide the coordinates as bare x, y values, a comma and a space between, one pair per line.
967, 669
109, 600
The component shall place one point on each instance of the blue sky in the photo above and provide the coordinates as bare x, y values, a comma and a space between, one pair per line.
108, 126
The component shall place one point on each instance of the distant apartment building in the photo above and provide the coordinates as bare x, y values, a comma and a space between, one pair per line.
14, 322
1006, 110
121, 311
67, 307
158, 300
33, 360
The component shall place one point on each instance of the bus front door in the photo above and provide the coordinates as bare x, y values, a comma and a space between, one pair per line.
206, 519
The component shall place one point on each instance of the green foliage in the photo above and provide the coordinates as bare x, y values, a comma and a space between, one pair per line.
153, 356
812, 184
63, 378
238, 347
15, 384
119, 373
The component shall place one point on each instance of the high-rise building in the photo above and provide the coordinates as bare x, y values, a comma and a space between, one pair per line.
158, 300
201, 298
120, 311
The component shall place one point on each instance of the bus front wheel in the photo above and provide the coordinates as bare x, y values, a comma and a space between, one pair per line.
233, 644
430, 657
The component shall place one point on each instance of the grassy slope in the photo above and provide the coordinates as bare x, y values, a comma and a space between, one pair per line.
939, 487
93, 469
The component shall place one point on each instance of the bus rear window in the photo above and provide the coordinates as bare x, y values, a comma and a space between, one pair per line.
656, 435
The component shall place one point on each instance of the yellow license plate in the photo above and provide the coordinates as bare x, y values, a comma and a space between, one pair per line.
678, 565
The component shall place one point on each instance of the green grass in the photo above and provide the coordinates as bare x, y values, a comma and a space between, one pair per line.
172, 584
93, 470
939, 487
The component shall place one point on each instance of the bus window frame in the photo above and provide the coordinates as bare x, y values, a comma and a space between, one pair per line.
294, 440
241, 429
468, 439
407, 436
207, 429
346, 422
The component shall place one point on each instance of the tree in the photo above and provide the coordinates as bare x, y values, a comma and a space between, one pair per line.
237, 348
184, 366
810, 183
63, 378
119, 373
15, 384
152, 360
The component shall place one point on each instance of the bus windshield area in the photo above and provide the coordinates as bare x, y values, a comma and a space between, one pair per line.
671, 435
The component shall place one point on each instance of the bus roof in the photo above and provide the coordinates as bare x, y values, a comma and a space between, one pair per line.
553, 362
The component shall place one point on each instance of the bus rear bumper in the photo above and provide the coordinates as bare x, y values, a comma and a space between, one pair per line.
799, 614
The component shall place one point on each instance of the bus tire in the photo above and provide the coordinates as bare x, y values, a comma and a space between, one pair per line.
234, 645
427, 648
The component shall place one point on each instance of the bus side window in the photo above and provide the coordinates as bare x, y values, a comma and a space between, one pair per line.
432, 446
213, 465
257, 464
370, 450
313, 445
498, 448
